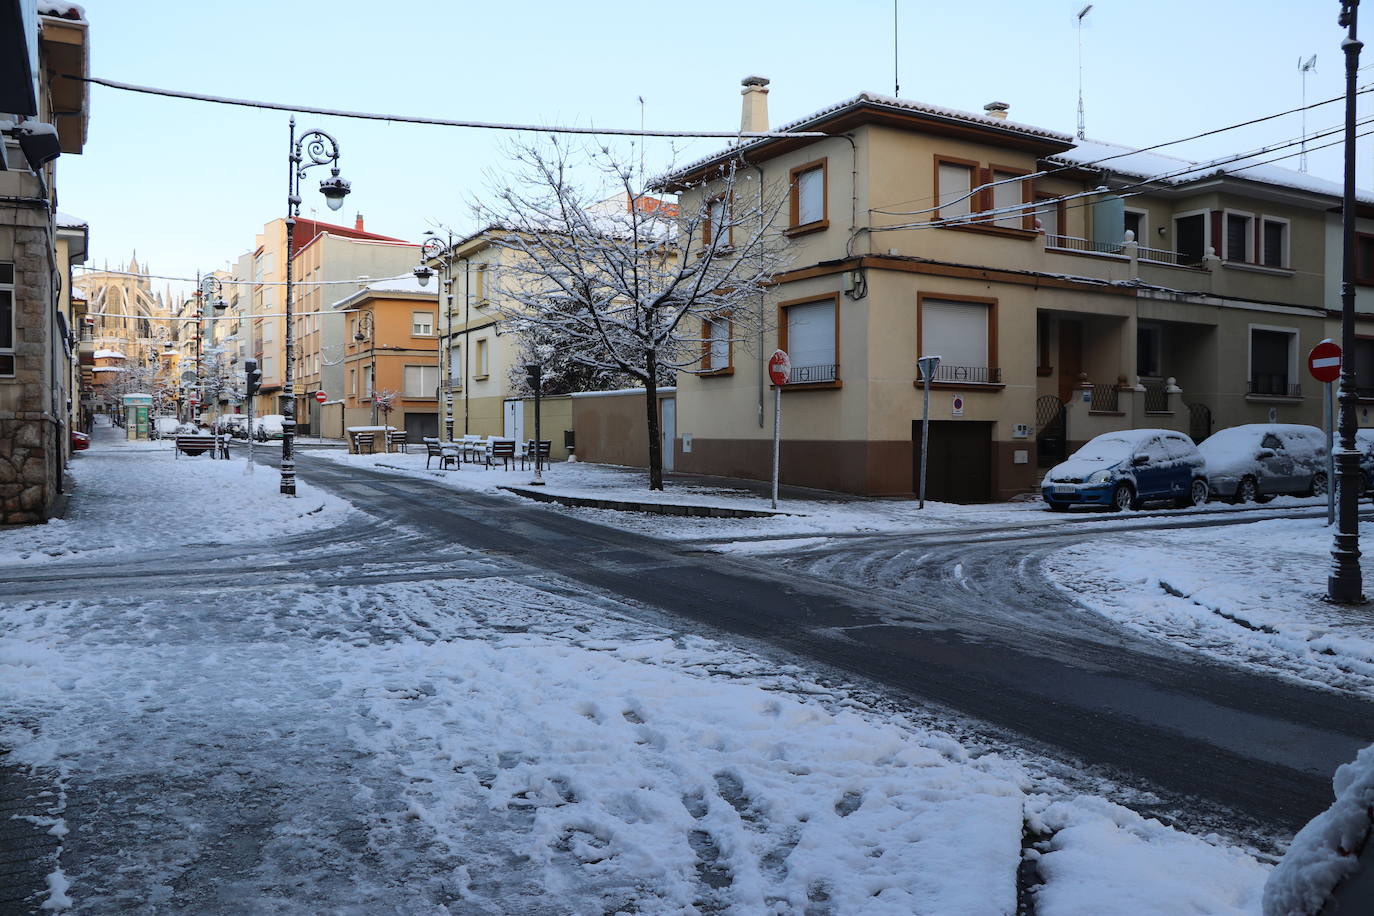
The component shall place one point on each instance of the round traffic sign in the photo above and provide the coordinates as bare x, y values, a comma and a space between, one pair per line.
779, 367
1324, 362
321, 397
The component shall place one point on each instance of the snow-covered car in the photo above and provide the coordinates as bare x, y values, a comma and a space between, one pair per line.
268, 427
1364, 441
1258, 461
164, 427
1124, 469
232, 424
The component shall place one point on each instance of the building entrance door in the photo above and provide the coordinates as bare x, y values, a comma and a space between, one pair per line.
958, 463
515, 420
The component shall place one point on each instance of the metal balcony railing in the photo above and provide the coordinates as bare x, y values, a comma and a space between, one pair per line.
1104, 398
1274, 385
1074, 243
801, 375
976, 375
1156, 395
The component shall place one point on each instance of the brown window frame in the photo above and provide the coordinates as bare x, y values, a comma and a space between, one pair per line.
973, 166
833, 298
706, 232
1364, 270
1027, 194
991, 304
706, 367
981, 201
796, 228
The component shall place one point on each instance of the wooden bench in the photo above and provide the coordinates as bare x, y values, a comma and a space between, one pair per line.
198, 443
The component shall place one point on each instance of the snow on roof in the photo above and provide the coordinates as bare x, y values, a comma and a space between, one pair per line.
109, 354
67, 221
1125, 160
109, 369
406, 285
62, 9
874, 99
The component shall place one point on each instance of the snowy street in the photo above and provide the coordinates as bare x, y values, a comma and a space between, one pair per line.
387, 696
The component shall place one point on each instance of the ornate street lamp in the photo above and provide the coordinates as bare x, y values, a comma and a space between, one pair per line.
434, 247
312, 148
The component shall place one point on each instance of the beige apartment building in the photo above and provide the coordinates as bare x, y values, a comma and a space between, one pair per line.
1070, 289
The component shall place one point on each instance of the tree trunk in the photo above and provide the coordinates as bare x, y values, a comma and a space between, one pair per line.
655, 435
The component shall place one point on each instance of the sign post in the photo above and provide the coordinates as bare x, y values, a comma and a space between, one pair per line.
928, 366
1324, 362
779, 371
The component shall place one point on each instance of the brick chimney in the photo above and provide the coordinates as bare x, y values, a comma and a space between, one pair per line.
358, 223
754, 111
997, 110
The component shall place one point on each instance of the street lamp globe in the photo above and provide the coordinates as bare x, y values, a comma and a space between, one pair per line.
423, 273
335, 189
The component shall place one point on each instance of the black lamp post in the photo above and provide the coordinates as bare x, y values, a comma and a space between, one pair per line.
312, 148
430, 249
1344, 585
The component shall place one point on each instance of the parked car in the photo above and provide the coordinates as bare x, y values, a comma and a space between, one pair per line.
232, 424
268, 427
1364, 441
164, 427
1258, 461
80, 441
1122, 470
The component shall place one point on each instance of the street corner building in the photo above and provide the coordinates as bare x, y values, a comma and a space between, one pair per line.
44, 109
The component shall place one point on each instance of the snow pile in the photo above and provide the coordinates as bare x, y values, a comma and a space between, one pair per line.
1234, 592
135, 498
63, 9
1327, 850
1102, 858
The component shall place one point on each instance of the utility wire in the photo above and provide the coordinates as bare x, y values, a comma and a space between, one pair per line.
230, 282
440, 122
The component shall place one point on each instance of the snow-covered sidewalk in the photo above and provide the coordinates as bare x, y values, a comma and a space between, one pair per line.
1250, 594
474, 738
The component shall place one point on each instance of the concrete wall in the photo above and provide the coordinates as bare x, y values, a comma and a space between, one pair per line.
612, 428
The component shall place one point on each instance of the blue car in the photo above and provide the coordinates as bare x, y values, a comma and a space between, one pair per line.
1123, 470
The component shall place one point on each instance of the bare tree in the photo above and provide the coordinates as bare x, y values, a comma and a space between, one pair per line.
619, 280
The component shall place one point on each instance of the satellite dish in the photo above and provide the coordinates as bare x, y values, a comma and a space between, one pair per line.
189, 376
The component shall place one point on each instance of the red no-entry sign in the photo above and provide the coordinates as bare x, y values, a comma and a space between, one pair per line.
1324, 362
321, 397
779, 367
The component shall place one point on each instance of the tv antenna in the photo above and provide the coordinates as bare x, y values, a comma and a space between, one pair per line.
1081, 13
1305, 67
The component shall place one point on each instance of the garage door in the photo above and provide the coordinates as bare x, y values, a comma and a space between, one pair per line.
959, 461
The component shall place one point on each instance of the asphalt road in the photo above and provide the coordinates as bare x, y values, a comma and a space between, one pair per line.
970, 626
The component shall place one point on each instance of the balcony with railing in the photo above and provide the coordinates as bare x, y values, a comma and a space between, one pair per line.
963, 375
1088, 246
810, 375
1273, 385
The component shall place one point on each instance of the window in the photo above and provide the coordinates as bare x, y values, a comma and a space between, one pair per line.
1009, 194
715, 334
954, 183
269, 367
809, 190
480, 370
421, 381
1364, 367
717, 224
959, 332
1190, 237
1240, 237
367, 381
1364, 259
353, 382
1049, 210
1271, 441
480, 284
7, 329
1274, 242
421, 324
1273, 361
267, 331
455, 365
1149, 340
1135, 222
809, 337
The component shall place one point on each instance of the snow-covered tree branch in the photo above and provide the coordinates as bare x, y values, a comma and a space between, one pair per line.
621, 281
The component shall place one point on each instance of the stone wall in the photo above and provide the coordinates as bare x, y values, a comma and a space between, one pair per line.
30, 457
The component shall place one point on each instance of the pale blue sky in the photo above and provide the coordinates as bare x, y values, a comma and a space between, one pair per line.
187, 184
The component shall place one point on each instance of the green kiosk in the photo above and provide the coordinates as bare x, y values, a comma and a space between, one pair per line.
136, 408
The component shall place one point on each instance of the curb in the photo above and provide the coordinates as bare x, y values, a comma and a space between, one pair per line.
586, 502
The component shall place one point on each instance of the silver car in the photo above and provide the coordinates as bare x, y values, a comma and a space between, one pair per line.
1258, 461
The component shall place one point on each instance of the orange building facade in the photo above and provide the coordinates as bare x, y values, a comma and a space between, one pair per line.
391, 360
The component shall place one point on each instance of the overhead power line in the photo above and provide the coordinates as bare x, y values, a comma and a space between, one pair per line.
440, 122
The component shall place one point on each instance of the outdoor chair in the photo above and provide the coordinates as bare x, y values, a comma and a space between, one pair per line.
531, 451
448, 457
502, 450
362, 441
397, 441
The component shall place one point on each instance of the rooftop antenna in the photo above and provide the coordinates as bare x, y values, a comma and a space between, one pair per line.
1305, 67
641, 138
1081, 13
896, 83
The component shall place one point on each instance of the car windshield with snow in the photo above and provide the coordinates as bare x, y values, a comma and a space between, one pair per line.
1124, 469
1258, 461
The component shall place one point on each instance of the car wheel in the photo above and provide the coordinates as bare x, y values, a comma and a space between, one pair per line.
1319, 484
1197, 494
1247, 491
1123, 497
